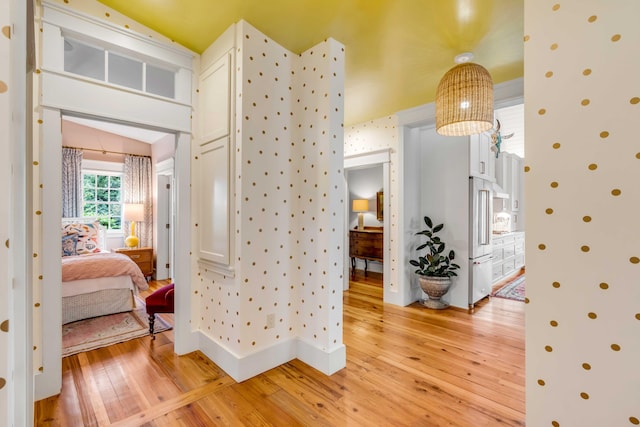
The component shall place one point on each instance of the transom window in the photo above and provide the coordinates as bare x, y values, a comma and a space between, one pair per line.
102, 198
116, 68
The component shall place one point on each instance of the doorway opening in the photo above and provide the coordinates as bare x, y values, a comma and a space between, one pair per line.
367, 178
105, 166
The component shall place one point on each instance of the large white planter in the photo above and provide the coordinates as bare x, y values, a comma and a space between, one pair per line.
435, 288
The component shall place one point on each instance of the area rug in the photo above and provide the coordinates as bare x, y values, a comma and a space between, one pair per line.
97, 332
512, 290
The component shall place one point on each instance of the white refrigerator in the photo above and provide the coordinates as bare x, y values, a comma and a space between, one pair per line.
480, 250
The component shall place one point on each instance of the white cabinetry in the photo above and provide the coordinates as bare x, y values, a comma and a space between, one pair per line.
508, 255
510, 176
214, 207
481, 161
515, 176
214, 151
215, 99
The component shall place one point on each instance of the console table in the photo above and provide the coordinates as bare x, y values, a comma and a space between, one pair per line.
365, 244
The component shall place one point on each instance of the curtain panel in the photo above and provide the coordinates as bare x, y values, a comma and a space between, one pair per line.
137, 189
71, 182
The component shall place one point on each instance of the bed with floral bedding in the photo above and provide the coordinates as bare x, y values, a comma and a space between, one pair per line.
95, 282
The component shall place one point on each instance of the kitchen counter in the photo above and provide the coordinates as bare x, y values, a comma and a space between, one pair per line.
508, 233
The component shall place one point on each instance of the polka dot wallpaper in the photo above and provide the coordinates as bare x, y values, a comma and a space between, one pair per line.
582, 172
5, 108
372, 136
288, 201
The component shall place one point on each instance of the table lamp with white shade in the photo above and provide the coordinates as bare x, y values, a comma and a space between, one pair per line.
360, 206
133, 212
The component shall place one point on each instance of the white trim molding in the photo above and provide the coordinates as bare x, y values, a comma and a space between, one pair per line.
367, 159
241, 368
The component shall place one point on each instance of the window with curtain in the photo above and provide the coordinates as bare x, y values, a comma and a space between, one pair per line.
102, 197
71, 182
137, 189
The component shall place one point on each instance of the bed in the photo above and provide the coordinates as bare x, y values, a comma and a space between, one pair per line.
95, 282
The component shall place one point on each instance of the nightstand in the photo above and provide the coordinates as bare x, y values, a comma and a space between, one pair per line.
143, 257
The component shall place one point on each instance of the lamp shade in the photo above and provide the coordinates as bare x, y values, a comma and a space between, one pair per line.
360, 205
133, 212
464, 101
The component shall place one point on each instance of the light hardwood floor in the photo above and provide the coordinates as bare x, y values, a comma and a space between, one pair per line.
405, 366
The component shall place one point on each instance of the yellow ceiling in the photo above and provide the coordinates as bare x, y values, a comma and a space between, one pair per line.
396, 50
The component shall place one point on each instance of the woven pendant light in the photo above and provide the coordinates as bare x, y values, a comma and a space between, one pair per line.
464, 99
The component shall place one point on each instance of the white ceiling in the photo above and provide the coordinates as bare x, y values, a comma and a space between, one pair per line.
133, 132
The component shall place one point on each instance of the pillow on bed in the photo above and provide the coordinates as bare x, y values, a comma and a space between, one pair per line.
69, 243
87, 245
87, 236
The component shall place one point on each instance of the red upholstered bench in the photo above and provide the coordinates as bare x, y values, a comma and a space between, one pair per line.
161, 301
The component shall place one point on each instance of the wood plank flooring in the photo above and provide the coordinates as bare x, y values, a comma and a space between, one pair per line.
406, 366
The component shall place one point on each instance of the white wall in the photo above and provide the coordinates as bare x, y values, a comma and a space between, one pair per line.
581, 112
16, 374
6, 384
443, 194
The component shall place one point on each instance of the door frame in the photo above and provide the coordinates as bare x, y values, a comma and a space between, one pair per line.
361, 160
49, 381
165, 168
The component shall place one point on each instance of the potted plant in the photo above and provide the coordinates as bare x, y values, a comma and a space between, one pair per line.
435, 268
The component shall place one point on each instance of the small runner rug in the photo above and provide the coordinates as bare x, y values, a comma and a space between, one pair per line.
97, 332
512, 290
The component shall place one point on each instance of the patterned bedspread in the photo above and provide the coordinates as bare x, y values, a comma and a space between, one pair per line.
91, 266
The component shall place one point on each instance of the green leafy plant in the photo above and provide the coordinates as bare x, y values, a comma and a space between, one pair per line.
434, 263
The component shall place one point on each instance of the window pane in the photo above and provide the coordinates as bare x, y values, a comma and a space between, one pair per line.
102, 195
114, 195
89, 209
124, 71
115, 223
89, 194
106, 191
114, 181
103, 181
84, 60
89, 180
103, 209
160, 81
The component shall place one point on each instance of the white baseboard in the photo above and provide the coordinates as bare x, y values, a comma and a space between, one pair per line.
245, 367
326, 362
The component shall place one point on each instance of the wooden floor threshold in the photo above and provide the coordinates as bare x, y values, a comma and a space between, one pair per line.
175, 403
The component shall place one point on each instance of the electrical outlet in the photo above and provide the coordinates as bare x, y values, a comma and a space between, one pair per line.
271, 321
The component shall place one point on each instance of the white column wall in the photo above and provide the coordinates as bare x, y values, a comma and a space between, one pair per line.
288, 202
